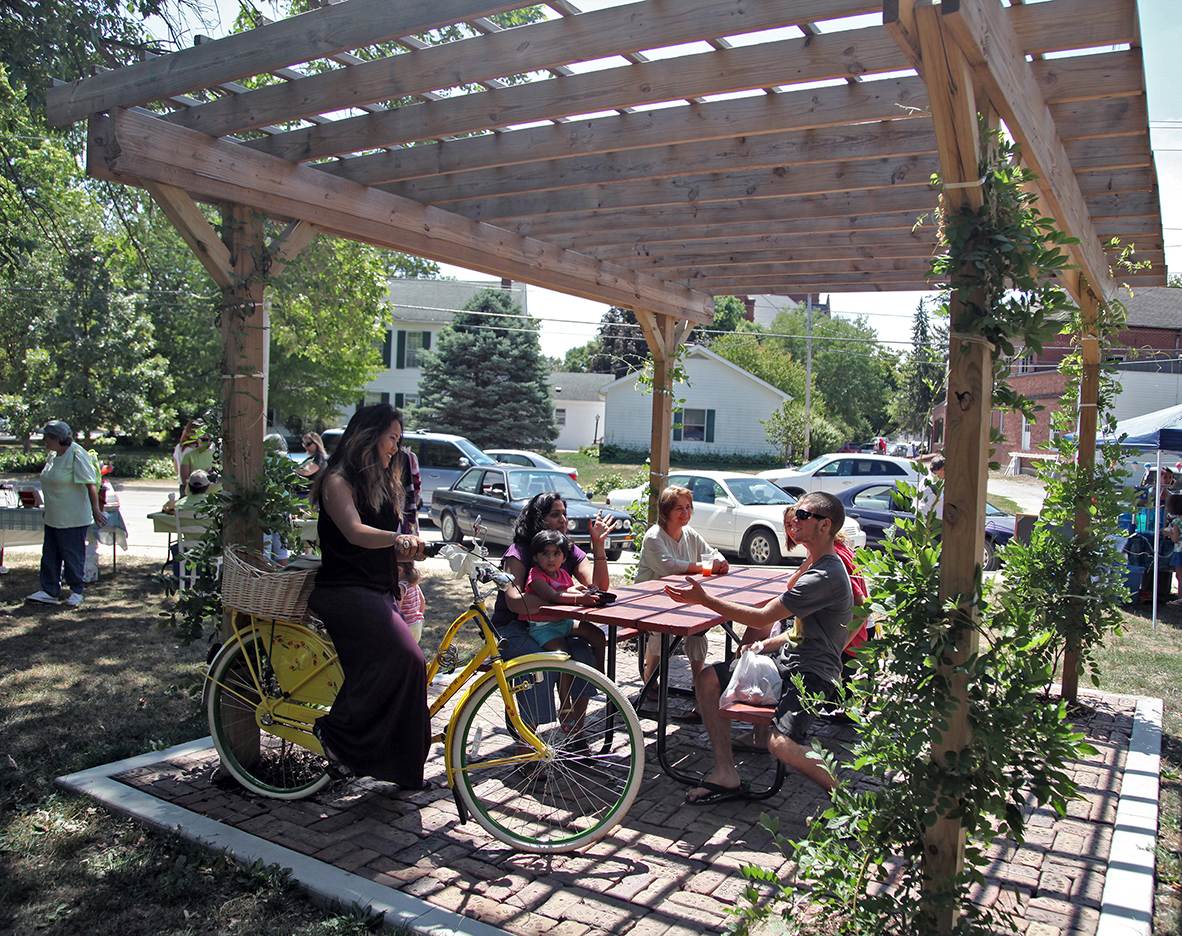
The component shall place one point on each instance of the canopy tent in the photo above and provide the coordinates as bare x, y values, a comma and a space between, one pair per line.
1159, 431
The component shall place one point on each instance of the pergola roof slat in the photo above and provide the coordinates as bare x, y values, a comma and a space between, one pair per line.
291, 41
522, 49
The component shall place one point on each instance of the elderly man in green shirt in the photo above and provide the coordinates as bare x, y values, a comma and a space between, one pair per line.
69, 486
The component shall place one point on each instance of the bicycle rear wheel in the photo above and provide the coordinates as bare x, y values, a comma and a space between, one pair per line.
261, 761
580, 789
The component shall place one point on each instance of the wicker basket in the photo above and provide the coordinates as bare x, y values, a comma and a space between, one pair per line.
267, 591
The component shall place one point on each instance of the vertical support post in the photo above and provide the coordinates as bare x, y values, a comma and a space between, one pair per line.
954, 105
244, 329
663, 334
808, 379
1089, 393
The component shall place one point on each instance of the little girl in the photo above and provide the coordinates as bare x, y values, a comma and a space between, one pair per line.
411, 605
553, 584
1173, 532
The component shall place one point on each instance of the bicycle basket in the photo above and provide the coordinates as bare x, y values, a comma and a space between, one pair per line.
252, 585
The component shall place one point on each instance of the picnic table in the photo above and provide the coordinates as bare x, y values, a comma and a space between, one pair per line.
646, 608
164, 521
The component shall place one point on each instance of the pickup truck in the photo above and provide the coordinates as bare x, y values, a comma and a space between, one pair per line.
497, 495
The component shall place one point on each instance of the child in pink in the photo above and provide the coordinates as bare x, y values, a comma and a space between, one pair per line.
554, 585
412, 605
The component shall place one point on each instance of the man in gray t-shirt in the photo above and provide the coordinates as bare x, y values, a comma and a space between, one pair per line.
823, 601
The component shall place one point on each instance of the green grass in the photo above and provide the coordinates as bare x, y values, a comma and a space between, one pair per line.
81, 688
1144, 662
1009, 505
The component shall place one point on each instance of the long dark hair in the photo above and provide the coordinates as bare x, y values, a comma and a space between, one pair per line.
530, 520
356, 460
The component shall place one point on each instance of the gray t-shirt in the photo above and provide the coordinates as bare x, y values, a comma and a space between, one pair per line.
824, 602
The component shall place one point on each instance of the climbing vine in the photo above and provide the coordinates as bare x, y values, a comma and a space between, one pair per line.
863, 863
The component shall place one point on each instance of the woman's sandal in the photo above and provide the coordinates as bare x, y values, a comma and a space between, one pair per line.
337, 769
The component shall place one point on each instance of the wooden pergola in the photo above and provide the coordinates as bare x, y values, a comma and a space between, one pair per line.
636, 184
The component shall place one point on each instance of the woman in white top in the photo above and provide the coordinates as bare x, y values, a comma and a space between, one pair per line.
673, 547
69, 485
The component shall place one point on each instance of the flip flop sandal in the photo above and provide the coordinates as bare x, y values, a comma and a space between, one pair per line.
718, 794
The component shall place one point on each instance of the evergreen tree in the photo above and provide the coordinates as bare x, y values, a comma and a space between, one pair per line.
921, 374
621, 347
486, 378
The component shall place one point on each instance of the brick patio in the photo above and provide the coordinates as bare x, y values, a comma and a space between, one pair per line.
669, 868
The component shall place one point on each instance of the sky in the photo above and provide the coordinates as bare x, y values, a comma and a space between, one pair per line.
569, 321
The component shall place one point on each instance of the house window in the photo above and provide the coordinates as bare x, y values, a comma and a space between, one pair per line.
405, 399
693, 425
1024, 364
560, 417
410, 348
370, 398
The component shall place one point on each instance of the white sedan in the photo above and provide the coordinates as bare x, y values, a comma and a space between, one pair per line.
739, 513
526, 459
841, 471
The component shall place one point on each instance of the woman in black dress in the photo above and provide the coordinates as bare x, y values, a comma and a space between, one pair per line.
379, 725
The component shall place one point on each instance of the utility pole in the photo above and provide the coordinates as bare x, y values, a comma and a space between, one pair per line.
808, 376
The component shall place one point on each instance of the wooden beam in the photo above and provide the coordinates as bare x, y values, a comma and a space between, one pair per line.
312, 35
783, 258
915, 267
832, 55
1090, 120
534, 47
815, 282
712, 120
780, 182
138, 148
778, 214
296, 237
740, 288
885, 140
196, 231
992, 48
788, 245
949, 80
661, 333
1100, 155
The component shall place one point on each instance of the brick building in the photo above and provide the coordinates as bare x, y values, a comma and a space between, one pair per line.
1149, 348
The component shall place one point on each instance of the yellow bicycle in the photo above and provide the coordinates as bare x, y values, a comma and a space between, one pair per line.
543, 752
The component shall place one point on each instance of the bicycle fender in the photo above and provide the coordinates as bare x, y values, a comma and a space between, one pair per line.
471, 690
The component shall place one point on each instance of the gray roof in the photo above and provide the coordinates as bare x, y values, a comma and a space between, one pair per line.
1155, 307
576, 386
435, 301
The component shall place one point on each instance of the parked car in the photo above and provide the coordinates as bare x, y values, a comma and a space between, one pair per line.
740, 514
497, 493
442, 457
839, 472
526, 459
877, 506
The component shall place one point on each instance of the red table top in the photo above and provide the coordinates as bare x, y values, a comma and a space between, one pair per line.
647, 608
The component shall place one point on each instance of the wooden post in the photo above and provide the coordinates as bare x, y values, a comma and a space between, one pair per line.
243, 328
949, 81
663, 334
1089, 393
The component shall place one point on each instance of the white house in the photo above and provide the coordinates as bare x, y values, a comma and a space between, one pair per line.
420, 310
718, 409
578, 407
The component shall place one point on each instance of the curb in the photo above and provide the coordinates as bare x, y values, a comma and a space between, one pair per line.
1126, 907
324, 882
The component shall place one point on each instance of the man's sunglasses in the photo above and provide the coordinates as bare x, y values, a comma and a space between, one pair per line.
802, 514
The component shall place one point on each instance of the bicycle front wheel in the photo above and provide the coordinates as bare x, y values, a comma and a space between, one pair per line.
580, 788
263, 762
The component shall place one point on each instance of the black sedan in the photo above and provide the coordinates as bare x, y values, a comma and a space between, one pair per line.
878, 506
497, 495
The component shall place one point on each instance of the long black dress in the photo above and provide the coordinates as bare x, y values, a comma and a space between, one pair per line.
379, 724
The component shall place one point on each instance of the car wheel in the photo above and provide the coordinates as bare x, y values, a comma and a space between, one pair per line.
990, 562
760, 547
613, 555
449, 529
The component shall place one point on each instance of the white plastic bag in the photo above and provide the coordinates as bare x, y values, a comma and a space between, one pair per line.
755, 681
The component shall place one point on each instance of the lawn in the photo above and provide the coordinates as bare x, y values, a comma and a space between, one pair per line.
80, 688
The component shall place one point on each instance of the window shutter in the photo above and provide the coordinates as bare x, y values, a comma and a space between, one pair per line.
709, 425
386, 348
385, 398
426, 341
399, 400
401, 359
677, 419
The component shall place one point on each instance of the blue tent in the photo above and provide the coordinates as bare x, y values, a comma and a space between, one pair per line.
1157, 431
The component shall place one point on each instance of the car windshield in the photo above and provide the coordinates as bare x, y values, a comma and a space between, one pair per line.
752, 491
814, 464
475, 456
991, 511
525, 484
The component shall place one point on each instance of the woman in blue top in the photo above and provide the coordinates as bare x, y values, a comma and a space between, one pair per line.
69, 485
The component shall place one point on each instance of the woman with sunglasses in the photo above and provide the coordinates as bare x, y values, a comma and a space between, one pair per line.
317, 456
823, 600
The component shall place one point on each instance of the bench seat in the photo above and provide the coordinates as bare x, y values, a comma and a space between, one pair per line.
751, 714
